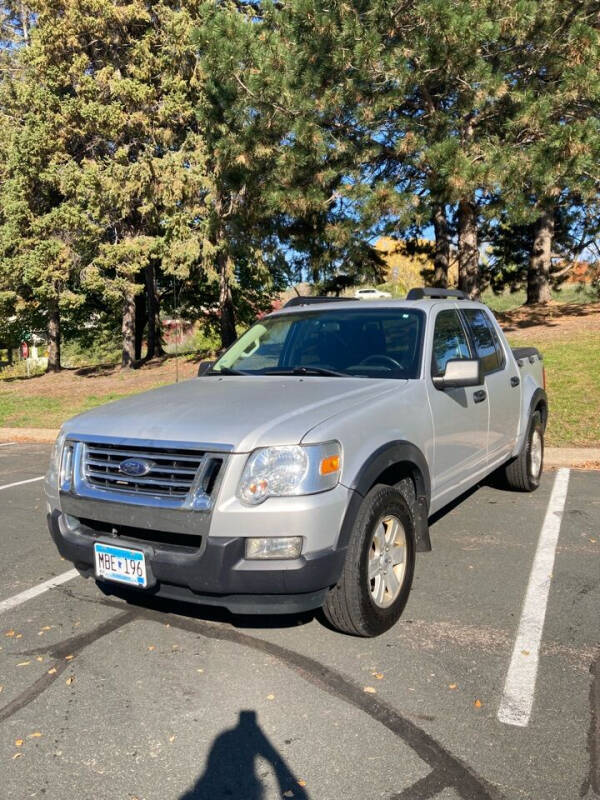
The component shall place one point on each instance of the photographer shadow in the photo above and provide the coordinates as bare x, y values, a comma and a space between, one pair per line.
231, 768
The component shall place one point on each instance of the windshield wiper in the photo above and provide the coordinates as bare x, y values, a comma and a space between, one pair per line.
227, 371
306, 371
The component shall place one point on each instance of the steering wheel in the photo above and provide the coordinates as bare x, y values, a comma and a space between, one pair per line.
384, 360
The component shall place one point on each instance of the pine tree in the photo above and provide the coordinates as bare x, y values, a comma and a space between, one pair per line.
551, 133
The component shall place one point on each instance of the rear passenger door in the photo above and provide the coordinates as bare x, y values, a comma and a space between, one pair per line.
460, 416
501, 383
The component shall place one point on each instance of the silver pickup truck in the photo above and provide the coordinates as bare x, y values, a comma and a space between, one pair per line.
301, 468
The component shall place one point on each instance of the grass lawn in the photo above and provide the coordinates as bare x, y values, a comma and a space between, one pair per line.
573, 386
47, 412
568, 293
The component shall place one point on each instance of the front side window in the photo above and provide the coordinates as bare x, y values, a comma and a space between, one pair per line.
382, 343
486, 342
449, 341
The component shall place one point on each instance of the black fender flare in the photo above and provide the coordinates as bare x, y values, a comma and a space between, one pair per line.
388, 455
539, 396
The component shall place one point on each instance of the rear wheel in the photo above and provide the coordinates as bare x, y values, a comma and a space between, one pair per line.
375, 583
524, 472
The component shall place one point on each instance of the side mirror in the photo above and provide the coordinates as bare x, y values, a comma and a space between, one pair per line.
204, 367
460, 372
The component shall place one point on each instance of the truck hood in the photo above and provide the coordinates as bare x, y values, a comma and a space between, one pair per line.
236, 413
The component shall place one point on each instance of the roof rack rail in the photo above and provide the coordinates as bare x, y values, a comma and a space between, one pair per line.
421, 292
308, 301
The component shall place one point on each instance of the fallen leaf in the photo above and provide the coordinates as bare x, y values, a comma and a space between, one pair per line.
23, 663
453, 685
52, 670
370, 690
17, 755
593, 540
378, 675
39, 658
19, 636
171, 738
151, 647
270, 697
70, 680
477, 703
288, 794
10, 633
47, 627
525, 652
34, 735
1, 688
301, 783
199, 670
18, 742
69, 658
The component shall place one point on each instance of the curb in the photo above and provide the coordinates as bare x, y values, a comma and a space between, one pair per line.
574, 457
32, 435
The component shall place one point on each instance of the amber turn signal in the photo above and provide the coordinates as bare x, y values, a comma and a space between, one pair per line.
329, 465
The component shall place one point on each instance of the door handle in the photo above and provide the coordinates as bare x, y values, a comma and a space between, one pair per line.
479, 396
515, 380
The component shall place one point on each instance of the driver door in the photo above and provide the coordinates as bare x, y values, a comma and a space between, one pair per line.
460, 415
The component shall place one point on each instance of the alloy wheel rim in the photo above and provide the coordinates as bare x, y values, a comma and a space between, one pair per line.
535, 455
387, 561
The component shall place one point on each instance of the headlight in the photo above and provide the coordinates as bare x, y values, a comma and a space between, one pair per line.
55, 459
290, 470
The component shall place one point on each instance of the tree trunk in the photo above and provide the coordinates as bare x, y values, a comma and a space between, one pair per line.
441, 257
140, 324
24, 13
538, 274
468, 251
128, 332
53, 337
155, 347
226, 307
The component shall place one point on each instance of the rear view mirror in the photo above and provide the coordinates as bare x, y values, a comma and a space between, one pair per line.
460, 372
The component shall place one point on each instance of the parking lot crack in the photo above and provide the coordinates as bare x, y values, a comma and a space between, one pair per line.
454, 772
72, 647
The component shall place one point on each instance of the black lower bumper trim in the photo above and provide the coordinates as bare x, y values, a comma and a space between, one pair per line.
235, 603
216, 575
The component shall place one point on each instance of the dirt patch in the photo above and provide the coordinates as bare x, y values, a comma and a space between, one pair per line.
77, 384
552, 322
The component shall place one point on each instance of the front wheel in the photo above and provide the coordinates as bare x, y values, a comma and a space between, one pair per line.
375, 583
524, 472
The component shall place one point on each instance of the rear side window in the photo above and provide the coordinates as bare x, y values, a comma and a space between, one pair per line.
486, 342
449, 341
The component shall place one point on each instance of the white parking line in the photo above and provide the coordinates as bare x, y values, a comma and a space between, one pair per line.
20, 483
28, 594
519, 687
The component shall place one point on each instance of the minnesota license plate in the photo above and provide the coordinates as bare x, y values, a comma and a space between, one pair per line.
120, 564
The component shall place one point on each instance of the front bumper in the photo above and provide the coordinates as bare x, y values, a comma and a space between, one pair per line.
217, 573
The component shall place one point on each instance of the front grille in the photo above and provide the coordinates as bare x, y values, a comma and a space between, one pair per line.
171, 474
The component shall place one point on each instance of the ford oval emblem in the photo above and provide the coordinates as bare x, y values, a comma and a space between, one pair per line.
136, 467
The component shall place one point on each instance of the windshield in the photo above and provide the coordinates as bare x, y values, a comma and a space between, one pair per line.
376, 343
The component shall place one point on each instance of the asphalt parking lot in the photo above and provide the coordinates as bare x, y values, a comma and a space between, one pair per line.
99, 699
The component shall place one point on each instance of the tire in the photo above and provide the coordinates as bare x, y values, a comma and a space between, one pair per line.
361, 606
524, 472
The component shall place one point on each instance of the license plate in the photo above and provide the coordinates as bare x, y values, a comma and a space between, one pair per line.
120, 564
